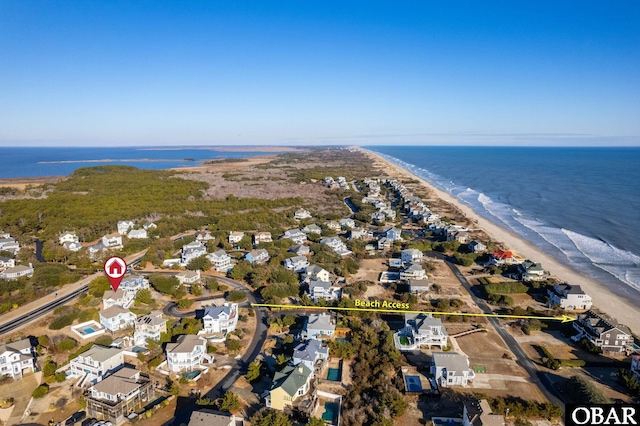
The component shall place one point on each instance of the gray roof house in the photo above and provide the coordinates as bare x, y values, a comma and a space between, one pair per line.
420, 331
206, 417
604, 332
569, 297
310, 353
318, 326
451, 369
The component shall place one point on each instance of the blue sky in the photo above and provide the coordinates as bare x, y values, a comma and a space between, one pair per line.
306, 72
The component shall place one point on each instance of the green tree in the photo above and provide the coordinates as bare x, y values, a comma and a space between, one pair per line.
254, 371
236, 295
233, 345
315, 421
145, 296
199, 263
98, 286
40, 391
270, 418
230, 402
196, 289
49, 368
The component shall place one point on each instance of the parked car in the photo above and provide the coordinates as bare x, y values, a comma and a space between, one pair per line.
75, 417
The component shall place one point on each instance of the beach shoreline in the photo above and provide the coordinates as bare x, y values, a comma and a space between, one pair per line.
604, 300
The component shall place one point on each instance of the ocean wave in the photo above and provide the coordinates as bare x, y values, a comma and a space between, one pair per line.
622, 264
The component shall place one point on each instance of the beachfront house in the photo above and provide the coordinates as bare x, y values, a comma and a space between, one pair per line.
568, 297
451, 369
124, 226
311, 353
604, 332
117, 318
531, 271
476, 247
16, 358
296, 263
420, 331
95, 364
122, 298
187, 354
124, 392
220, 260
293, 387
502, 257
220, 319
149, 326
318, 326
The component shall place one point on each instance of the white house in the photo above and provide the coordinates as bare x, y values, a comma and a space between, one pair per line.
116, 318
149, 225
206, 417
419, 286
73, 246
188, 277
121, 298
7, 262
95, 364
336, 244
16, 358
112, 241
149, 326
413, 272
300, 249
384, 243
420, 331
569, 297
124, 226
67, 237
301, 214
310, 353
318, 326
451, 369
295, 235
477, 247
235, 237
531, 271
133, 283
203, 236
220, 319
187, 354
220, 260
262, 237
192, 251
334, 226
347, 223
139, 234
394, 234
9, 244
323, 290
296, 263
17, 272
411, 256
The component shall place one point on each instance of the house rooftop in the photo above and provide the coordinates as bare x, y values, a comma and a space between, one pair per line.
452, 361
114, 295
308, 350
290, 379
185, 344
319, 322
208, 417
100, 353
113, 311
152, 319
16, 346
123, 381
479, 414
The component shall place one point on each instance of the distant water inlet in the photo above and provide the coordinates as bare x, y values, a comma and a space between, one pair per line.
572, 219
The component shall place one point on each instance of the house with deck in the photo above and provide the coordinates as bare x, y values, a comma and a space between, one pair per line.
117, 318
124, 392
502, 257
323, 290
262, 237
413, 271
318, 326
478, 413
72, 246
394, 234
17, 358
257, 256
293, 388
149, 326
337, 245
311, 353
121, 298
187, 278
187, 354
300, 249
315, 272
419, 286
235, 237
295, 235
68, 237
531, 271
604, 332
17, 272
220, 319
312, 229
568, 297
347, 223
207, 417
451, 369
296, 263
192, 251
411, 255
420, 331
301, 214
124, 226
7, 262
112, 242
95, 364
477, 247
203, 236
635, 365
220, 260
138, 234
134, 283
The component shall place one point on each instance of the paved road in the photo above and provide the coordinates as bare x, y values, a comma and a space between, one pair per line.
184, 410
539, 379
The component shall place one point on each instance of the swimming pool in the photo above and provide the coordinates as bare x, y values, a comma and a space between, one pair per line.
330, 414
413, 383
334, 374
88, 330
191, 374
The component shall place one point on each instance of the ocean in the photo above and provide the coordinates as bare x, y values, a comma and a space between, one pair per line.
581, 205
53, 161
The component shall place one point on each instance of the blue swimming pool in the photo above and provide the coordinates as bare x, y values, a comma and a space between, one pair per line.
88, 330
334, 374
413, 384
191, 374
330, 414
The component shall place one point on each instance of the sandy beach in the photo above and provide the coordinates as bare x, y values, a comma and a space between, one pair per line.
603, 299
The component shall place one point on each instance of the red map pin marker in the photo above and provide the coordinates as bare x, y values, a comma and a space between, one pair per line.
114, 268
